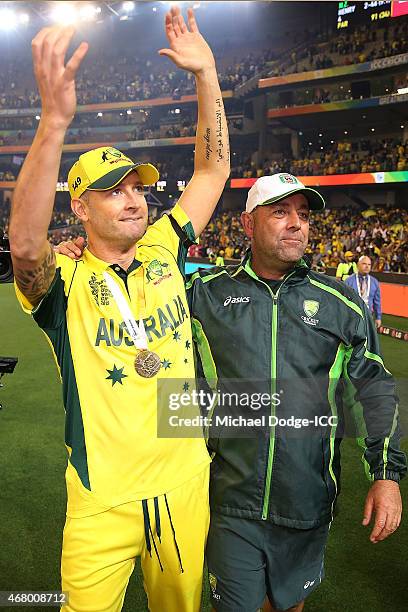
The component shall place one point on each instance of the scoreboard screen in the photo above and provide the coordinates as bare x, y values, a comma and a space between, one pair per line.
372, 11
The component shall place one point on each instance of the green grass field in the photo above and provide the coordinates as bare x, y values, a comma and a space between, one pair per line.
360, 577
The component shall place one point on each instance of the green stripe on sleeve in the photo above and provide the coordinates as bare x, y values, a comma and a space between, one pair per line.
204, 350
358, 415
338, 295
334, 377
387, 440
376, 358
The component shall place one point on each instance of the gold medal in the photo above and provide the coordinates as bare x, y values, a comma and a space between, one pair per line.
147, 363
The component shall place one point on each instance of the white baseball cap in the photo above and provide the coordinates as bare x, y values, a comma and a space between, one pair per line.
270, 189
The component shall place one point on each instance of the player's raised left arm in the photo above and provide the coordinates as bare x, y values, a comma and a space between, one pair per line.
189, 51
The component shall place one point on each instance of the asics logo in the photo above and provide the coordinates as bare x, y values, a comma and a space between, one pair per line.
236, 300
308, 584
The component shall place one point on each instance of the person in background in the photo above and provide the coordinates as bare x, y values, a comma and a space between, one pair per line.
220, 258
345, 269
367, 287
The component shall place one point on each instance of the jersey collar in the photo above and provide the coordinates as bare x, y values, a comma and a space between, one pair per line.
302, 266
99, 265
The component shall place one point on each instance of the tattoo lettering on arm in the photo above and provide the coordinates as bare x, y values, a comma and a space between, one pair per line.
34, 283
218, 132
208, 149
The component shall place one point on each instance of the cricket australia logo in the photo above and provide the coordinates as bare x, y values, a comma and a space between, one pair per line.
113, 156
157, 269
288, 178
311, 308
100, 290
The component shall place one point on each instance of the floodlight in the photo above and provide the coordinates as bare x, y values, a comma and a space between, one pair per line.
8, 19
24, 18
128, 6
64, 13
88, 12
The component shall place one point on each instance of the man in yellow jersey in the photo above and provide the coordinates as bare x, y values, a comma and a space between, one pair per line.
117, 320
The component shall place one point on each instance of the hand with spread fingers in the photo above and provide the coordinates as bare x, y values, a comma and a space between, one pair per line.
55, 79
384, 500
188, 49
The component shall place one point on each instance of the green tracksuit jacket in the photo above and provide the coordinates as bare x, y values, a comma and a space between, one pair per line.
315, 341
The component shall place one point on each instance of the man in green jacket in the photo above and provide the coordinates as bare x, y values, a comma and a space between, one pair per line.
309, 343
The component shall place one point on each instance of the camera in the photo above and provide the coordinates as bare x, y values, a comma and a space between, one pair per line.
7, 365
6, 266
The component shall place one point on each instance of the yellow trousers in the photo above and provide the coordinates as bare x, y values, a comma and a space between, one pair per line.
168, 533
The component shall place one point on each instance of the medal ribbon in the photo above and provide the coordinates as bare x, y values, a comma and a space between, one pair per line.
135, 330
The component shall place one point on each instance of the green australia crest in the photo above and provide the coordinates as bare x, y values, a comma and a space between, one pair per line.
311, 307
156, 268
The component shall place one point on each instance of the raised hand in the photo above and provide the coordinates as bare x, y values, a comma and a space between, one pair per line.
188, 48
56, 81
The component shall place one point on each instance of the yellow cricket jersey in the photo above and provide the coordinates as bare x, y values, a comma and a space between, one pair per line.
115, 455
344, 270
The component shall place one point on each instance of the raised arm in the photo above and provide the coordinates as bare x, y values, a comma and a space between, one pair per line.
33, 201
189, 51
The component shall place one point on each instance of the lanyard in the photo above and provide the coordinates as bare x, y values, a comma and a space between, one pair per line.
135, 330
366, 296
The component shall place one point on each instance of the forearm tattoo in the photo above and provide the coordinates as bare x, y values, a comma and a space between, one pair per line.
34, 283
207, 138
222, 151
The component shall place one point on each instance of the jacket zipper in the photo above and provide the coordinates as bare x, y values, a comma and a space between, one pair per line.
274, 355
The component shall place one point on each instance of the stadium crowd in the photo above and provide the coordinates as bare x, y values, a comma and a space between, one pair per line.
363, 44
127, 78
140, 77
344, 157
